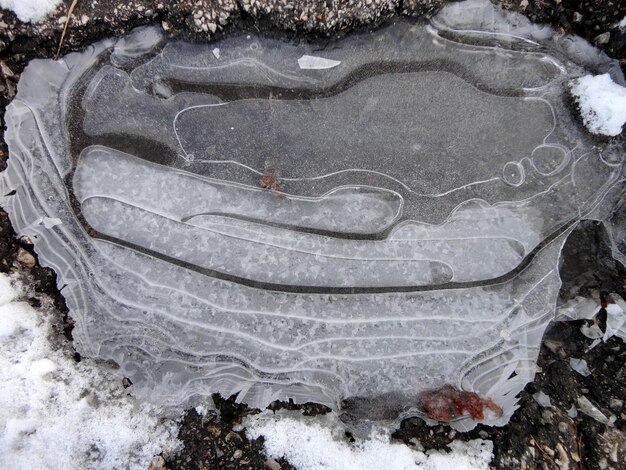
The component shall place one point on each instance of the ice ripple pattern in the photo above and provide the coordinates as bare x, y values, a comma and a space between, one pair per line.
427, 183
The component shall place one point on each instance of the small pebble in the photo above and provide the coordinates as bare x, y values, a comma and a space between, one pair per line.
6, 70
602, 38
271, 464
233, 436
25, 258
158, 463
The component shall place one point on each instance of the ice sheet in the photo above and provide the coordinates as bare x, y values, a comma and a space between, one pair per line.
235, 223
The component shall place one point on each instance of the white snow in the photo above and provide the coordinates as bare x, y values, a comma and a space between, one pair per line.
317, 445
59, 414
602, 103
30, 11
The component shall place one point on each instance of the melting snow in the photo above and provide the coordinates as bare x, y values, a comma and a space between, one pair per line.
30, 11
59, 414
318, 444
602, 103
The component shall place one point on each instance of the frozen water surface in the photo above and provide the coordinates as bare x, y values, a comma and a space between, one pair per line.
423, 181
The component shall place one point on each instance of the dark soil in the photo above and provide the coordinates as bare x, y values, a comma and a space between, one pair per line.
596, 21
534, 433
43, 280
211, 443
536, 437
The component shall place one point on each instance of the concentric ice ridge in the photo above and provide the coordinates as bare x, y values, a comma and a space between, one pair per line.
427, 176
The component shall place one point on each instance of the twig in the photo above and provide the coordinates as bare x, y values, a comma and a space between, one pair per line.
545, 454
67, 22
579, 443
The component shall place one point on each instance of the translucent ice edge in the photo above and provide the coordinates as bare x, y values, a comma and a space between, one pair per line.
423, 188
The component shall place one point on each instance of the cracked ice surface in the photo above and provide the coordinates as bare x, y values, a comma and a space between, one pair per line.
428, 180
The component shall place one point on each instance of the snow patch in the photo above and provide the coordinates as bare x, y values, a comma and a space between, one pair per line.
30, 11
7, 291
317, 444
602, 103
58, 414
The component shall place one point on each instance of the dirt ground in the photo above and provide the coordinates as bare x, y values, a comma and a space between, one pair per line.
537, 437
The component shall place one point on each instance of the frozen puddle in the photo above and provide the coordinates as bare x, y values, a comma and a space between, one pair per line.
367, 218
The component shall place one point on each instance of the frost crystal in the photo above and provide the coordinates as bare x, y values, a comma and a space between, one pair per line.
236, 223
